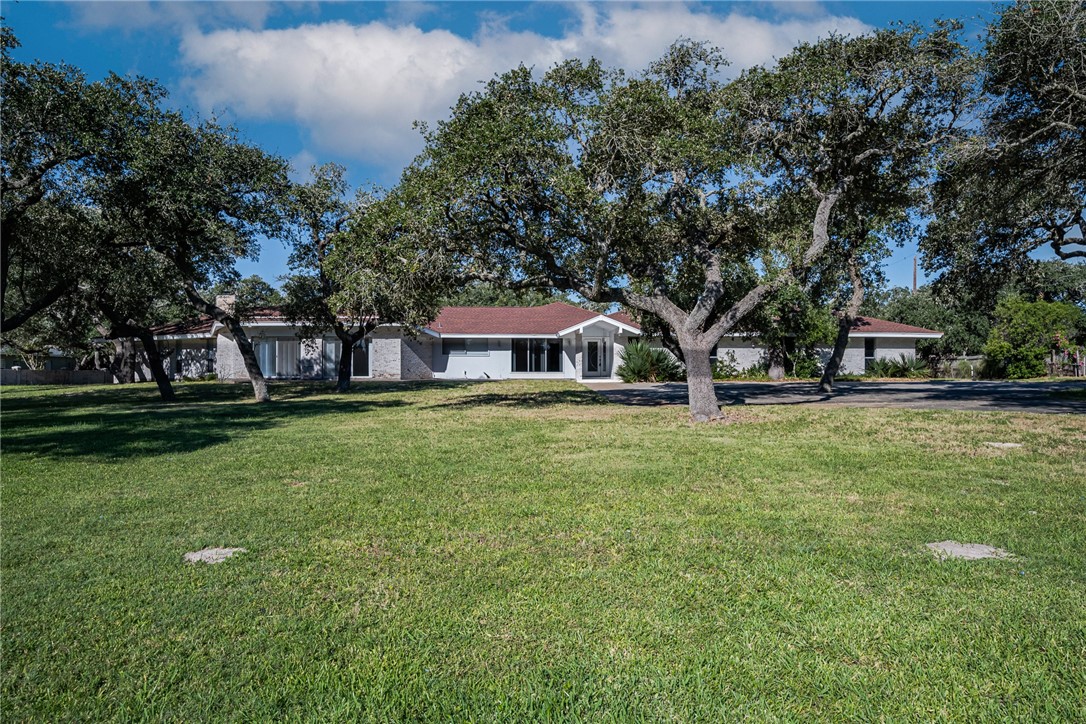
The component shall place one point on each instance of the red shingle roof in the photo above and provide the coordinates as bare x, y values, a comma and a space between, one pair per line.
870, 325
547, 319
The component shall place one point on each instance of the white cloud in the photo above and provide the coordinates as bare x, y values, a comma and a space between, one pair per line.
357, 89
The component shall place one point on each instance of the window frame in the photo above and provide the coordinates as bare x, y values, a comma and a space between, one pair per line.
462, 347
531, 350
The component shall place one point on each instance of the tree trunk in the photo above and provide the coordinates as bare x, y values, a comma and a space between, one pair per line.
248, 355
121, 327
154, 361
347, 341
245, 346
343, 384
845, 319
775, 356
833, 365
704, 405
123, 366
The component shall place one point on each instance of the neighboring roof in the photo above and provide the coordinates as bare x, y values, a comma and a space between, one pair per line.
546, 319
870, 326
199, 325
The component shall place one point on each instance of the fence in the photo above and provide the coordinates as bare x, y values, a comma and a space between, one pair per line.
1066, 364
55, 377
961, 368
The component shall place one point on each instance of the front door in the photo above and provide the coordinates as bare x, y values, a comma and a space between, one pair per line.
595, 361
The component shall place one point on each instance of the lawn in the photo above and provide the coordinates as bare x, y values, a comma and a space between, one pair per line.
510, 551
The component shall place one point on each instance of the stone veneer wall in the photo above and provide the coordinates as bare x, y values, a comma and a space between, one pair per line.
228, 362
385, 353
415, 358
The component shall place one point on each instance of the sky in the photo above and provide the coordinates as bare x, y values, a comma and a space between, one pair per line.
344, 82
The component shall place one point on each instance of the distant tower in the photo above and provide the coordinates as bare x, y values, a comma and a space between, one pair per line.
914, 273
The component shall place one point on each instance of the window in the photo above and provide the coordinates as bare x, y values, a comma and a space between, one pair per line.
287, 355
360, 360
869, 353
465, 347
537, 355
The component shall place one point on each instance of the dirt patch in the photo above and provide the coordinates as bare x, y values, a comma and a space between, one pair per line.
1004, 445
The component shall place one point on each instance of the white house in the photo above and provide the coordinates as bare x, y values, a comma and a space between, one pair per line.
553, 341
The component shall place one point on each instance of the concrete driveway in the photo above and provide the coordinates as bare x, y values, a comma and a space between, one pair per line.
934, 395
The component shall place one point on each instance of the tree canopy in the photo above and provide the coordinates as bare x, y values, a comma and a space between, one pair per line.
680, 195
1017, 183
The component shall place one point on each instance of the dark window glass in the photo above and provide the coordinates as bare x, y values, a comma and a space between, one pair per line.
869, 353
360, 361
554, 356
471, 347
537, 355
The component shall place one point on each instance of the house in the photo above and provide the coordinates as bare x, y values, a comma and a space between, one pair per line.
870, 339
553, 341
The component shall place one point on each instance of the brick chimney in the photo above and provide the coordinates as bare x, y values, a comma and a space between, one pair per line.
226, 302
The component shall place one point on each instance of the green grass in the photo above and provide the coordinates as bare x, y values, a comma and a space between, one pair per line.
512, 551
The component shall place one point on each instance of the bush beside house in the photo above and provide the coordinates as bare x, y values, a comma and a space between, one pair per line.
1026, 333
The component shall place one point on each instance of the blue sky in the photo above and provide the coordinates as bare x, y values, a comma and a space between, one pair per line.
318, 82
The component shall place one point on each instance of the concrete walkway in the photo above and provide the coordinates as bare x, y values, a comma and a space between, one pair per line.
924, 395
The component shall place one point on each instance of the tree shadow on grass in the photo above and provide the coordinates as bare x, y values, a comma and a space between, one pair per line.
127, 422
528, 400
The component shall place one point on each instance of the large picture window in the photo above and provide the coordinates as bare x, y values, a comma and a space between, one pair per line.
537, 355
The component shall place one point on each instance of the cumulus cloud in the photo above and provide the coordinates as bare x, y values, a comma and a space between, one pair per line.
357, 88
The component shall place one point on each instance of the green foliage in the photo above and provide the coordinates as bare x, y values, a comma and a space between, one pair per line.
642, 363
1025, 332
251, 293
726, 367
807, 366
1017, 183
689, 198
489, 294
62, 138
900, 367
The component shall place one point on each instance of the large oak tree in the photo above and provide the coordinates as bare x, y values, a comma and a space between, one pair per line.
665, 191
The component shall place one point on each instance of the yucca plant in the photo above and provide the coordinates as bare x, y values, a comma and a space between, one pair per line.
642, 363
903, 366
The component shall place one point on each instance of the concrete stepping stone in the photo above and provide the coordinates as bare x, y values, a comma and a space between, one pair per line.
967, 551
212, 555
1004, 445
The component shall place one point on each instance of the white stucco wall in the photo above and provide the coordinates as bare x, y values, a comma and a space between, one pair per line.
496, 364
852, 363
748, 351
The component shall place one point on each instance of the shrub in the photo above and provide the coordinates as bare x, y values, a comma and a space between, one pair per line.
807, 366
1024, 334
902, 367
642, 363
726, 367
